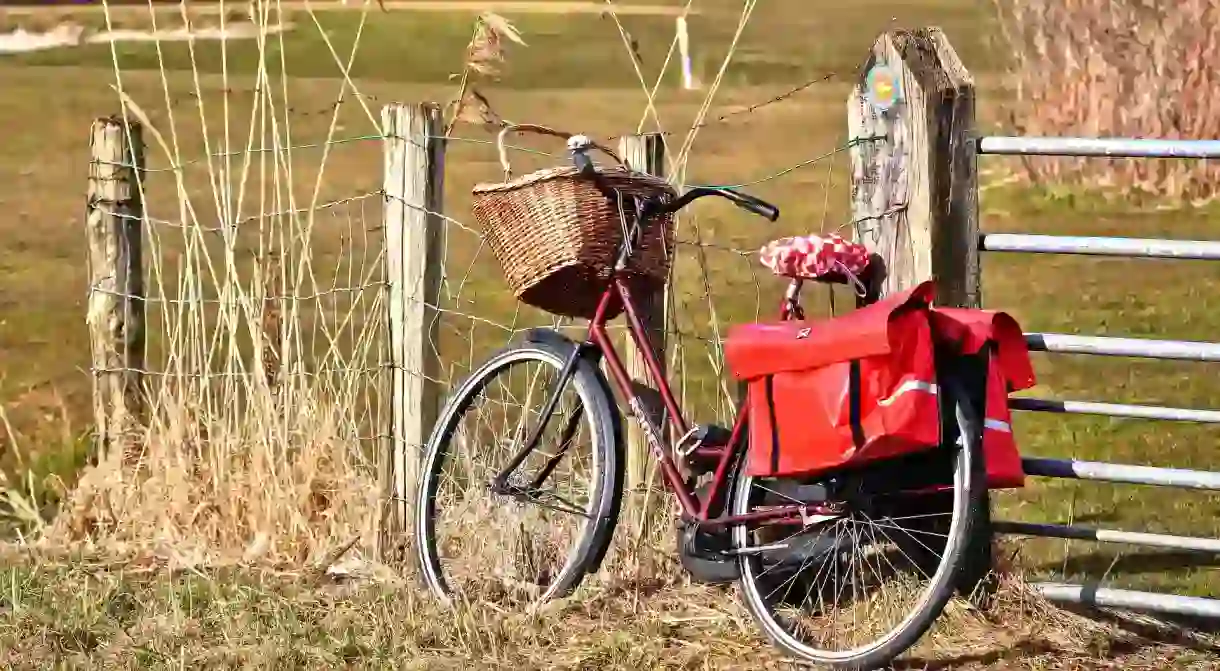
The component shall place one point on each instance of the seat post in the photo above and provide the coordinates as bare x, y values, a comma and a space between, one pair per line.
871, 278
792, 300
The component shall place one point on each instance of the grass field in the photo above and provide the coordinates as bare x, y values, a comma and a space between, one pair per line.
575, 74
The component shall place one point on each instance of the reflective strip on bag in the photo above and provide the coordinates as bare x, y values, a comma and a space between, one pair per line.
997, 425
909, 386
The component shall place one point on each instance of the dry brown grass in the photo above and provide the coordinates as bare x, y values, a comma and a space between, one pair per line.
235, 463
140, 611
1126, 68
485, 55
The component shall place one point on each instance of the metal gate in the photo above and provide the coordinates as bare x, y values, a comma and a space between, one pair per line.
1115, 347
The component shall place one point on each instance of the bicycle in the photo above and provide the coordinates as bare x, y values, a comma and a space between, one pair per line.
765, 533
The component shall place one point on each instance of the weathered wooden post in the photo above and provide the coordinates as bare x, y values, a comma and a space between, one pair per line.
645, 153
914, 196
915, 187
414, 239
115, 318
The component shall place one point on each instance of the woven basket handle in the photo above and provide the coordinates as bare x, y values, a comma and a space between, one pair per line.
541, 130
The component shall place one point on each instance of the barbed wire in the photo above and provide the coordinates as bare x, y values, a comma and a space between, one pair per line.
854, 142
750, 109
333, 106
330, 108
376, 368
346, 313
323, 206
742, 252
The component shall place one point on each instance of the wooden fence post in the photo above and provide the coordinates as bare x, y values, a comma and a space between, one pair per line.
914, 196
645, 153
414, 239
915, 190
116, 283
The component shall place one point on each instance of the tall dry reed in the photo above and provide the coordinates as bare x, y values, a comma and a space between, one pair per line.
1120, 68
265, 303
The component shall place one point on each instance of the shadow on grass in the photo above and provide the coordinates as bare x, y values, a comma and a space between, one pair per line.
1135, 563
1027, 649
1132, 637
1189, 632
1022, 649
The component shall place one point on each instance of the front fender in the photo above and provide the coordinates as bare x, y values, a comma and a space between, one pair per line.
590, 364
591, 358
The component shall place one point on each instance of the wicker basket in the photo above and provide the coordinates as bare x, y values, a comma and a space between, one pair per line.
555, 234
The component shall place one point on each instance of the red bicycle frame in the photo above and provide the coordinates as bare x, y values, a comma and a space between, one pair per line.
618, 294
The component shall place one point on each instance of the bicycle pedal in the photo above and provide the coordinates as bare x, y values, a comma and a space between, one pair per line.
705, 554
711, 435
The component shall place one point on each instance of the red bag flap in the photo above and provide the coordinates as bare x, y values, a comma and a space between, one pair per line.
971, 329
754, 350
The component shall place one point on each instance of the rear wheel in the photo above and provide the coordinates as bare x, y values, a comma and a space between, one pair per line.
860, 587
533, 539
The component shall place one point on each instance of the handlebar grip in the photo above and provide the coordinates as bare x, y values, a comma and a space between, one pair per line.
751, 204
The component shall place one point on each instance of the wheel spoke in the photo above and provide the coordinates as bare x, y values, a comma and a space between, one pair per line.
569, 431
535, 496
505, 541
870, 582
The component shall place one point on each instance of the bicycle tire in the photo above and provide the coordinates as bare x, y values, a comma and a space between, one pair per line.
960, 548
604, 501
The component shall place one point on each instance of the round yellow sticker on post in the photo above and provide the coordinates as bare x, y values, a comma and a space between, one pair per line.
882, 87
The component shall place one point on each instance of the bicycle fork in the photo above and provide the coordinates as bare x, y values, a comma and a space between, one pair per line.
499, 484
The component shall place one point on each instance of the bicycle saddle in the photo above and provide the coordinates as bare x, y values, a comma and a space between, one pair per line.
827, 258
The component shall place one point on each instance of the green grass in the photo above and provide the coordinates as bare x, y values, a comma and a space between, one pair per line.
787, 42
575, 75
1150, 299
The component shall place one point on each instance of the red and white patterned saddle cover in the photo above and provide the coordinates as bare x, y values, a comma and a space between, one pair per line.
813, 257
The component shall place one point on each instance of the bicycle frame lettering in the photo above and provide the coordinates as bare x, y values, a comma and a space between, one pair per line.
651, 431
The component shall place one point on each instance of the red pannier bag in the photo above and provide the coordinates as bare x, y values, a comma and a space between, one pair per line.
840, 392
990, 359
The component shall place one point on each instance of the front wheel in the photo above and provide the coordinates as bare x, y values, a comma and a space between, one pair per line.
532, 537
858, 590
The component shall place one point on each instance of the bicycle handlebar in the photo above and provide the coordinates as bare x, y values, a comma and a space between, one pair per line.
743, 200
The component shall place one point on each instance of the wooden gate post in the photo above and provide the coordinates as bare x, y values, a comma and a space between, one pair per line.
914, 196
113, 227
915, 190
415, 243
645, 153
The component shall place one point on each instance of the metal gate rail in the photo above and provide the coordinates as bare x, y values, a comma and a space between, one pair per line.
1093, 595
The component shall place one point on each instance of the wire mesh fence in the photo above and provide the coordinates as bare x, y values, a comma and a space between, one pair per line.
272, 331
265, 356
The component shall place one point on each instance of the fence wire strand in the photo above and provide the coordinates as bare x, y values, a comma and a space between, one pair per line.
267, 298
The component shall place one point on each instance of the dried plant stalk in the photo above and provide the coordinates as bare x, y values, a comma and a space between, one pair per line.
484, 56
1117, 68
